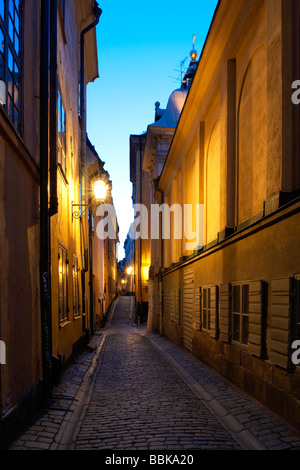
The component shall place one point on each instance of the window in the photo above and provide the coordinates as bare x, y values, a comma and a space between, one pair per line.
240, 313
62, 146
63, 284
10, 59
75, 287
206, 308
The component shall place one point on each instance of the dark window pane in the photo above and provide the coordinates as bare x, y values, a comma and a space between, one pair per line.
10, 108
236, 328
10, 61
16, 118
245, 297
11, 29
16, 73
10, 64
245, 329
10, 85
236, 299
204, 319
17, 44
1, 68
2, 8
61, 307
17, 23
2, 43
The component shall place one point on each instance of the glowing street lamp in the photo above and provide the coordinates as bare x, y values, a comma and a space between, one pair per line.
100, 192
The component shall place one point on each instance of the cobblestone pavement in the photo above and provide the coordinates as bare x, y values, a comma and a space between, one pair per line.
131, 390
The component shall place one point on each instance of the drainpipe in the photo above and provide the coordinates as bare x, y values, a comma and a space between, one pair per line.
53, 109
141, 244
97, 12
161, 262
44, 214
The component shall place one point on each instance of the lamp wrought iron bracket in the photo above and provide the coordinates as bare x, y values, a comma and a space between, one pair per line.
76, 214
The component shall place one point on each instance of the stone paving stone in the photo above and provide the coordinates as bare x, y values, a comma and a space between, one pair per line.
140, 402
254, 416
118, 382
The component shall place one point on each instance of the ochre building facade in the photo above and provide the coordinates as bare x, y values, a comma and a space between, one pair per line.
51, 280
233, 299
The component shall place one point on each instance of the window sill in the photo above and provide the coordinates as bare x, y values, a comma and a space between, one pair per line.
207, 332
64, 323
244, 347
63, 174
77, 317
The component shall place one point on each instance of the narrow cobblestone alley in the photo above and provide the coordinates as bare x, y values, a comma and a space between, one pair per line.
132, 390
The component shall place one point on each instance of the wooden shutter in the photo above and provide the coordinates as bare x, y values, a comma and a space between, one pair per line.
281, 310
214, 311
256, 337
188, 308
225, 313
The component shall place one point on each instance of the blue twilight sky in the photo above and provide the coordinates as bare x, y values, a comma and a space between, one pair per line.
140, 48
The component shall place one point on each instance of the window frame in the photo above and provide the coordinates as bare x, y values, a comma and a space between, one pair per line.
205, 326
61, 143
241, 314
13, 105
63, 278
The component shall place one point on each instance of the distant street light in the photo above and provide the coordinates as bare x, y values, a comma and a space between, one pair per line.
130, 274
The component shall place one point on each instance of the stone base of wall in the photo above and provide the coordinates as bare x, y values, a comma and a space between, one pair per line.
274, 387
175, 333
14, 422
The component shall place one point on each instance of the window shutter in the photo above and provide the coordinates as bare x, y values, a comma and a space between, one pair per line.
214, 312
281, 307
225, 312
256, 337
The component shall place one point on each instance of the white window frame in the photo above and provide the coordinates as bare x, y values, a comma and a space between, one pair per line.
241, 314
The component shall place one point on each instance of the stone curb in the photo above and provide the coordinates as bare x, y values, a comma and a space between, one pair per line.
75, 415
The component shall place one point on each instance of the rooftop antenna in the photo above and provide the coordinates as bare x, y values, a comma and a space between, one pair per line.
181, 72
